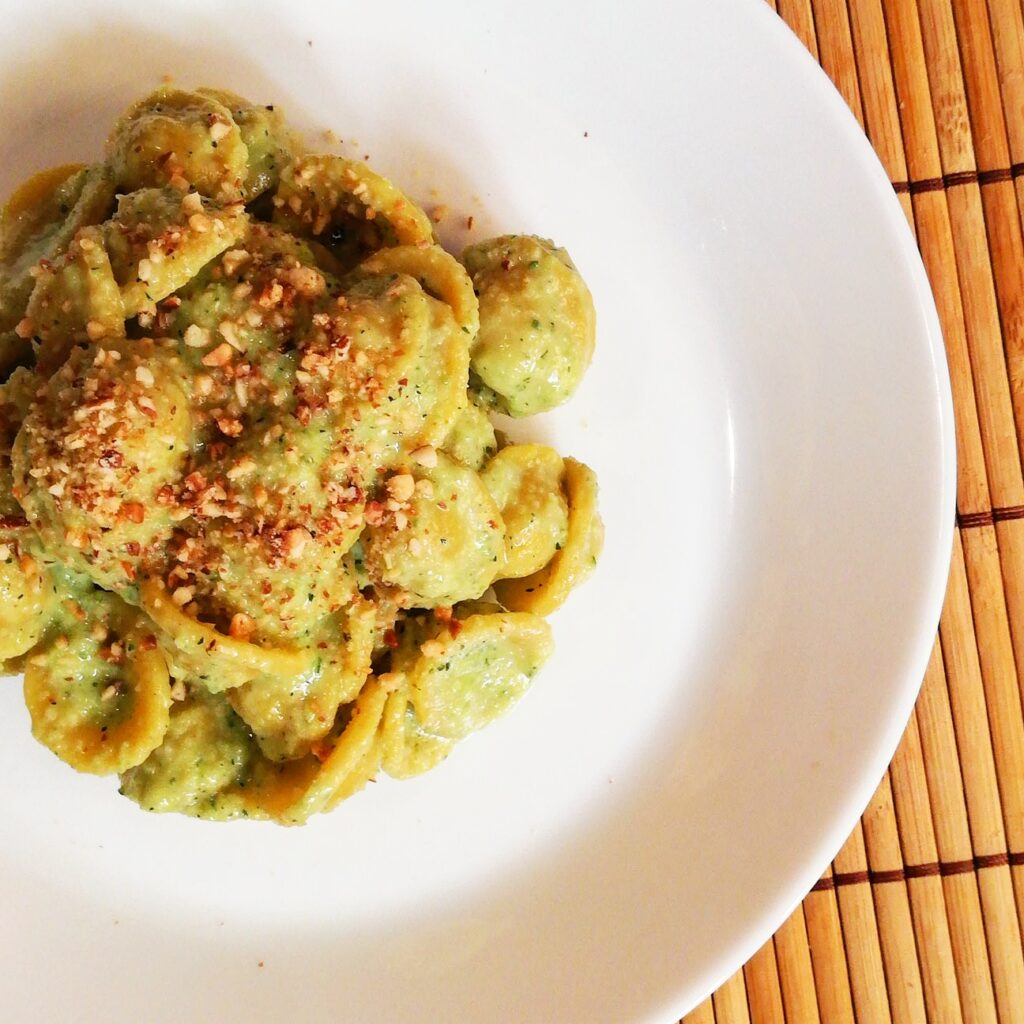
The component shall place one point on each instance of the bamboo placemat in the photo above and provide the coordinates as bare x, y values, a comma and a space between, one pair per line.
921, 915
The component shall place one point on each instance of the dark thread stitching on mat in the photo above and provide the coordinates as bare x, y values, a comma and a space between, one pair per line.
988, 177
911, 871
966, 520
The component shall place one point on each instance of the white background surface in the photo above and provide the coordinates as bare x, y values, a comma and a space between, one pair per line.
769, 417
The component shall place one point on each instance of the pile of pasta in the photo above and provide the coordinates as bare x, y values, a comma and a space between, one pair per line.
259, 538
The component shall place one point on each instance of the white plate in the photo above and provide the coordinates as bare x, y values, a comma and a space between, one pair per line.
770, 418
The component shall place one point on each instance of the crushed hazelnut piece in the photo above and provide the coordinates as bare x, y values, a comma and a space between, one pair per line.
229, 426
432, 648
306, 281
178, 691
229, 332
242, 467
401, 486
390, 681
425, 455
242, 627
133, 511
197, 337
295, 541
95, 330
233, 260
182, 595
144, 376
220, 356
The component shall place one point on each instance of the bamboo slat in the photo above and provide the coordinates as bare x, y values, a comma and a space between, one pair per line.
988, 837
1006, 245
796, 974
1007, 24
703, 1014
800, 18
953, 842
977, 287
835, 50
892, 909
935, 237
764, 994
921, 917
920, 854
828, 957
730, 1002
860, 933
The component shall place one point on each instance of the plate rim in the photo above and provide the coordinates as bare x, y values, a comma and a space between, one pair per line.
791, 895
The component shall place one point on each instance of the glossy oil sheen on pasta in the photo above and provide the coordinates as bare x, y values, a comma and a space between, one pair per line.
259, 540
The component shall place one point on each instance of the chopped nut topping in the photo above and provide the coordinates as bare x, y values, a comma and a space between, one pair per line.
243, 467
233, 260
133, 511
401, 486
144, 376
220, 356
95, 330
306, 281
432, 648
191, 204
425, 455
390, 681
197, 337
242, 627
295, 542
229, 332
229, 426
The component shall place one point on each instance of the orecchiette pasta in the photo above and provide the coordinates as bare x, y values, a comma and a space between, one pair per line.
259, 539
